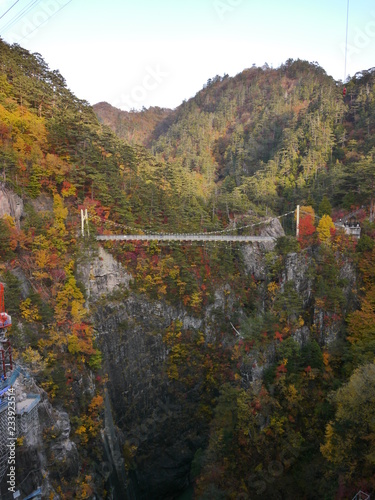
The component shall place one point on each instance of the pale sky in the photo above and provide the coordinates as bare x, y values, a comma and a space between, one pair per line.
158, 53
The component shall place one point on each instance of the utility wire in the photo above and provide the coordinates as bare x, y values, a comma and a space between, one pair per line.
346, 40
19, 16
264, 222
44, 22
10, 8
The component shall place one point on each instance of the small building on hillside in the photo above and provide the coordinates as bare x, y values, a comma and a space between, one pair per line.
352, 227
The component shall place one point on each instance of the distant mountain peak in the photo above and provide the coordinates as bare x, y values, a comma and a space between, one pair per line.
135, 127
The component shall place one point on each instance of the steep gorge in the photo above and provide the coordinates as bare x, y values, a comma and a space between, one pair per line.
161, 367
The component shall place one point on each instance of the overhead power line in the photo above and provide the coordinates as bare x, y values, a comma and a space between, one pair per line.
10, 8
19, 16
44, 22
346, 39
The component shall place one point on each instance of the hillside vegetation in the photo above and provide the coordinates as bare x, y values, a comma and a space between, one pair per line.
274, 137
135, 127
245, 147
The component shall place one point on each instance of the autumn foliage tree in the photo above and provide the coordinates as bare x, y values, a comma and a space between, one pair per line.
325, 229
350, 437
307, 231
361, 323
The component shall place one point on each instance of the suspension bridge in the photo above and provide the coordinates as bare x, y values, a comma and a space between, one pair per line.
184, 237
216, 236
351, 228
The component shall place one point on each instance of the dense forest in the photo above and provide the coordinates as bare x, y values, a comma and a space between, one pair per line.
242, 150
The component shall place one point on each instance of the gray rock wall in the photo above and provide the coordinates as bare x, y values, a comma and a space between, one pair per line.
47, 450
146, 415
253, 255
10, 204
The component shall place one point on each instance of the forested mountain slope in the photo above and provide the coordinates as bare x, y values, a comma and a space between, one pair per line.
274, 136
237, 372
56, 158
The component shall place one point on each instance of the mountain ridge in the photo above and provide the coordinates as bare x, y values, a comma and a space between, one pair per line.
278, 132
135, 127
236, 371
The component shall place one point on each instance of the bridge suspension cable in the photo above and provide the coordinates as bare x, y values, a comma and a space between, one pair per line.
147, 235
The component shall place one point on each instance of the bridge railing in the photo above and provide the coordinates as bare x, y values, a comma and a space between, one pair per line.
183, 237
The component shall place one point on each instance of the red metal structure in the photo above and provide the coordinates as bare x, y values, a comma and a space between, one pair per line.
6, 362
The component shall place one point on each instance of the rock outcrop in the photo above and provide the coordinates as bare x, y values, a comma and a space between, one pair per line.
103, 275
253, 255
45, 451
10, 204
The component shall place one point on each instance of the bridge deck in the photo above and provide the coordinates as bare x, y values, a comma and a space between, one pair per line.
184, 237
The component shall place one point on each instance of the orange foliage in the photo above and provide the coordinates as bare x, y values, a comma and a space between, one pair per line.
306, 231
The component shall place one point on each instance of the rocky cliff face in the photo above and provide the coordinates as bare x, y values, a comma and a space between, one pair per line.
150, 436
45, 450
253, 255
301, 270
147, 418
104, 275
10, 204
129, 334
